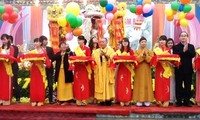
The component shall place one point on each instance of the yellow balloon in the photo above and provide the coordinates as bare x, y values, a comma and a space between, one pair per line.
103, 9
73, 8
169, 12
184, 22
181, 15
62, 21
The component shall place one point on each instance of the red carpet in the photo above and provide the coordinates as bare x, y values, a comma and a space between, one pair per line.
46, 112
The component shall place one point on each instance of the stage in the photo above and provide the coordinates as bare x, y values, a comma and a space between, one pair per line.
92, 112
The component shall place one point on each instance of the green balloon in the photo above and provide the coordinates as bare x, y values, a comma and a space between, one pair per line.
175, 5
187, 8
15, 9
133, 8
71, 18
103, 3
79, 22
1, 17
2, 9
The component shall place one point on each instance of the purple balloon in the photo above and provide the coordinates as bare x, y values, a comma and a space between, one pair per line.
147, 8
69, 36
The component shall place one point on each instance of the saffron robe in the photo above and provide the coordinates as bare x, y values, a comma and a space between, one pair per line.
103, 75
142, 89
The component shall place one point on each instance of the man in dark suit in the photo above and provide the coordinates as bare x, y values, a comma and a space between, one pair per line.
15, 69
49, 71
183, 73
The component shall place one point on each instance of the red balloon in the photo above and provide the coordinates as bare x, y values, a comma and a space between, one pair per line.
13, 15
189, 16
8, 9
114, 10
12, 21
139, 9
5, 16
177, 22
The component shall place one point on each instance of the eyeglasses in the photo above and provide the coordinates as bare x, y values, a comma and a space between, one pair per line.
183, 35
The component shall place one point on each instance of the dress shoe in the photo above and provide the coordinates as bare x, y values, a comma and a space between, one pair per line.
187, 104
178, 104
108, 102
52, 102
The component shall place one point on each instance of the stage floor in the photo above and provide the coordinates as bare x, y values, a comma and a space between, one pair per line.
96, 109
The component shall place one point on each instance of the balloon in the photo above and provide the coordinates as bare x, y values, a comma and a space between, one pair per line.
2, 9
174, 12
185, 1
77, 31
169, 12
114, 10
175, 5
133, 8
181, 15
181, 7
189, 16
69, 36
184, 22
14, 15
79, 21
146, 8
5, 16
15, 9
139, 2
62, 21
8, 9
71, 19
103, 3
111, 1
170, 18
152, 5
12, 21
177, 22
73, 8
103, 9
148, 14
109, 16
139, 9
146, 2
187, 8
109, 7
68, 28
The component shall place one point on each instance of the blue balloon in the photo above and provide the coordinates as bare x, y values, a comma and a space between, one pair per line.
109, 7
148, 14
181, 7
139, 2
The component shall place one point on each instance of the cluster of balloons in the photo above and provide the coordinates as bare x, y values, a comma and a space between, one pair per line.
183, 9
8, 13
109, 8
143, 7
71, 21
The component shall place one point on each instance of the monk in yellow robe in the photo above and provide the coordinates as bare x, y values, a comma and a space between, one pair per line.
103, 74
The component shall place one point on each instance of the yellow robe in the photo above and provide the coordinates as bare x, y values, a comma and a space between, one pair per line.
64, 90
143, 91
103, 76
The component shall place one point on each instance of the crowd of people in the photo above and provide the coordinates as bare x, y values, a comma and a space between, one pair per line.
100, 82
